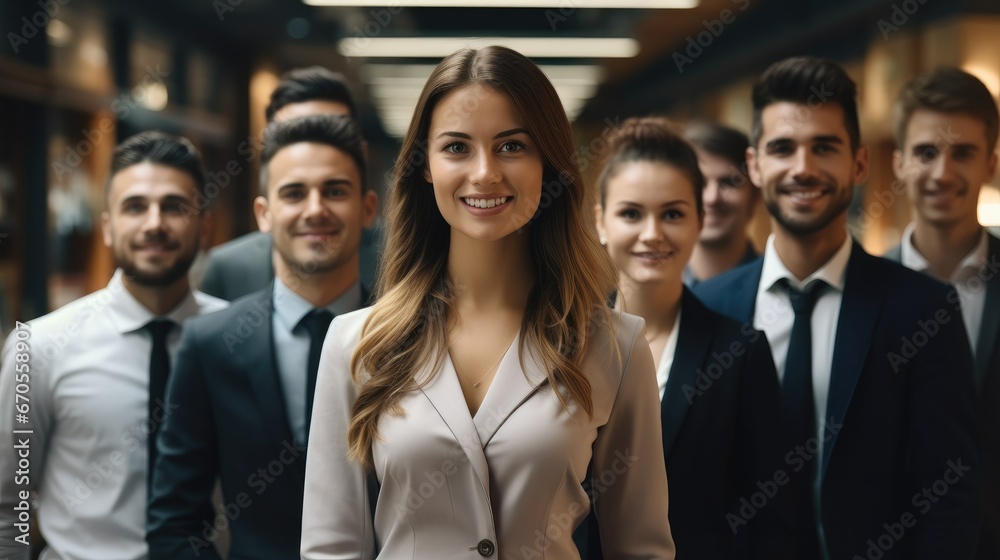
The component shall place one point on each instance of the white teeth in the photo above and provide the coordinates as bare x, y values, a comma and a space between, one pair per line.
485, 202
807, 195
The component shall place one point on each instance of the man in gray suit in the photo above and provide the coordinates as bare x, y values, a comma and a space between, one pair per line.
946, 134
246, 264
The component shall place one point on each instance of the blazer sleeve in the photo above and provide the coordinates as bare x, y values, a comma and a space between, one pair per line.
760, 451
944, 440
336, 517
628, 475
186, 467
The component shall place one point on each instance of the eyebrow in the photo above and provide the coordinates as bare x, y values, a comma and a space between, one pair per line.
333, 181
142, 198
503, 134
823, 139
664, 205
959, 146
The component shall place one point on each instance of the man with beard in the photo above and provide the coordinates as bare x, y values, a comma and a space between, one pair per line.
874, 363
946, 137
246, 264
730, 200
245, 377
89, 377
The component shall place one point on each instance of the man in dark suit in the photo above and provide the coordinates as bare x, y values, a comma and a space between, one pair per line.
875, 368
243, 380
946, 133
246, 264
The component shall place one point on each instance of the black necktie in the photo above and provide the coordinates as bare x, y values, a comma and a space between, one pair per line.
159, 368
317, 322
800, 409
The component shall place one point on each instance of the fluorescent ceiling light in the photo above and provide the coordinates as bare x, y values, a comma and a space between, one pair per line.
372, 73
576, 4
531, 47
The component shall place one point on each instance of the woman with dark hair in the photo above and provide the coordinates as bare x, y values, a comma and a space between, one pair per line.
719, 390
490, 377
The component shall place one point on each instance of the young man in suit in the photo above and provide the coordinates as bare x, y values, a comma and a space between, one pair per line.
946, 133
730, 201
246, 264
876, 372
90, 376
244, 378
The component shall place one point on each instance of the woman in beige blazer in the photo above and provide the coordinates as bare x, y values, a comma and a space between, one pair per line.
490, 380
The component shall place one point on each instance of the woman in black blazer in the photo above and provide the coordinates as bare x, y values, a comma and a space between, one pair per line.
720, 410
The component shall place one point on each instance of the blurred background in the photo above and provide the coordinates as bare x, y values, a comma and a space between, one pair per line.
77, 76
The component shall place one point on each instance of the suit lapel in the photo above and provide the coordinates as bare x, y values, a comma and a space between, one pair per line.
744, 297
693, 342
859, 311
445, 394
986, 345
258, 361
511, 386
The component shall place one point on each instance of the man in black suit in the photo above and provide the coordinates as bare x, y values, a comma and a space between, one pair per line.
242, 383
946, 133
246, 264
873, 357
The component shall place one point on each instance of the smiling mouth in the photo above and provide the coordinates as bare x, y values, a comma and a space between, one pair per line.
654, 255
485, 202
803, 195
157, 247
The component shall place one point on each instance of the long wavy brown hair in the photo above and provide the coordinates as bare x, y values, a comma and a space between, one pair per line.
574, 275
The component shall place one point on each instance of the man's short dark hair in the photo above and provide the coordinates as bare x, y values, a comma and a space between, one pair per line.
310, 84
719, 140
340, 132
947, 90
809, 81
162, 149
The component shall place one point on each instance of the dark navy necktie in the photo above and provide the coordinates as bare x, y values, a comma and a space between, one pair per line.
317, 322
159, 369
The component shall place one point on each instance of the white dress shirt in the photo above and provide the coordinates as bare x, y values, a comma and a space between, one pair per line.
89, 389
967, 279
667, 357
291, 346
774, 315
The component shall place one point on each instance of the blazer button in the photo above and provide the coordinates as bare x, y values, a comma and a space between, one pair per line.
486, 547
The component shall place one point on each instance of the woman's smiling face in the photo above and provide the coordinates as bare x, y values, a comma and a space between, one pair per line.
483, 164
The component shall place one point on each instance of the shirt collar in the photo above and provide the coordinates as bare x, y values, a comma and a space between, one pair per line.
290, 307
973, 262
832, 272
128, 314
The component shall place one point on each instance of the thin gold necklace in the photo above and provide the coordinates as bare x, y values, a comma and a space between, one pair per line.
481, 379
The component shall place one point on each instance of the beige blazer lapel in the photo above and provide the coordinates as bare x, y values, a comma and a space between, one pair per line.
511, 387
445, 394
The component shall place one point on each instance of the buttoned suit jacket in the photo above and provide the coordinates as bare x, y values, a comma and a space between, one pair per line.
229, 420
510, 478
988, 384
900, 413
